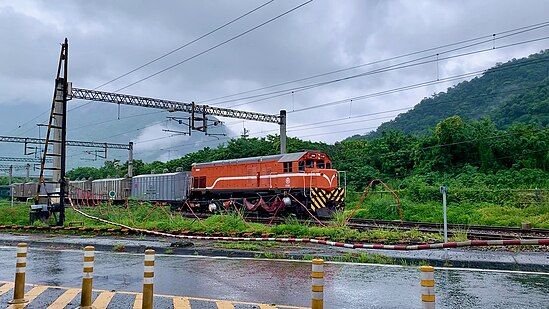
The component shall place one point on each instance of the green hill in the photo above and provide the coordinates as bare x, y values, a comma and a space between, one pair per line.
516, 91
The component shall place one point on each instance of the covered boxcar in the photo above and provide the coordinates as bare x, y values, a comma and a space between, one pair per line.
115, 189
80, 189
167, 187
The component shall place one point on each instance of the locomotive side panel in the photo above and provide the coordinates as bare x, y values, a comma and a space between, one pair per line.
266, 173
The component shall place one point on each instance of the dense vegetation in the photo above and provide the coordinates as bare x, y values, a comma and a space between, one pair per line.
458, 153
516, 91
495, 176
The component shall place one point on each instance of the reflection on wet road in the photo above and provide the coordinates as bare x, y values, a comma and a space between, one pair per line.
285, 282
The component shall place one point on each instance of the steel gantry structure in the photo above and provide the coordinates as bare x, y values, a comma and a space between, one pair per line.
19, 159
85, 144
198, 112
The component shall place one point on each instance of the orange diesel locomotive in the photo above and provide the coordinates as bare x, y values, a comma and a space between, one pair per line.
299, 182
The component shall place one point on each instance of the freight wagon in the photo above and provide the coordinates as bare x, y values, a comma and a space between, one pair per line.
168, 187
115, 189
80, 190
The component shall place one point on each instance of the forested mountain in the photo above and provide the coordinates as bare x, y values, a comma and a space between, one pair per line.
516, 91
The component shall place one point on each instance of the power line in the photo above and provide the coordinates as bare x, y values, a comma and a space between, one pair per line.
486, 71
377, 113
491, 36
401, 89
399, 66
379, 61
420, 85
215, 46
414, 86
185, 45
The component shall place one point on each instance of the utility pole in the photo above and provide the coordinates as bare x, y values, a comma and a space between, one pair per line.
27, 168
282, 124
11, 183
444, 190
130, 160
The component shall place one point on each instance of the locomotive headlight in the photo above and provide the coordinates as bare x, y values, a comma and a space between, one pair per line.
212, 207
287, 201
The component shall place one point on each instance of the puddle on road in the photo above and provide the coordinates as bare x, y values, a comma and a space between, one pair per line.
347, 285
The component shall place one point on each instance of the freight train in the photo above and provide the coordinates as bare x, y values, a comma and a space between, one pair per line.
300, 182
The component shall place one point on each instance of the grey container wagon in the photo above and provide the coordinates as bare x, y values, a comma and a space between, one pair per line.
167, 187
115, 189
80, 189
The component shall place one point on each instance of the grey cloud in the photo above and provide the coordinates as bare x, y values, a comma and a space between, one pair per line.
108, 38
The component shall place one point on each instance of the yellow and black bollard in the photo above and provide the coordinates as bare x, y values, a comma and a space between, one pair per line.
317, 276
20, 268
148, 276
87, 278
427, 287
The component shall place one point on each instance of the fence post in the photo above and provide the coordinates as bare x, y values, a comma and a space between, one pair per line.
148, 276
317, 276
427, 287
20, 267
87, 278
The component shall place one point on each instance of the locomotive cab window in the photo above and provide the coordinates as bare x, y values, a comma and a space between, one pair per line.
310, 163
301, 166
328, 165
320, 164
287, 167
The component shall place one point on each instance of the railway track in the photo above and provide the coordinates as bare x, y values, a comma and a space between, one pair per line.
472, 231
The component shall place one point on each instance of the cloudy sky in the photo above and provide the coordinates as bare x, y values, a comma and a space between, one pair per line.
109, 38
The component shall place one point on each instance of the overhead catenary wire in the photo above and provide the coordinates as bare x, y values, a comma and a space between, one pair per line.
542, 24
215, 46
412, 53
184, 45
409, 87
289, 91
204, 51
399, 89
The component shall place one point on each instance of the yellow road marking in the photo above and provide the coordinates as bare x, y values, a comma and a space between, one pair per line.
64, 299
30, 296
103, 300
181, 303
138, 301
6, 288
223, 304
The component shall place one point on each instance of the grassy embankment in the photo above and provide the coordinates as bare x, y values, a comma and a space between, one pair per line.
142, 216
506, 207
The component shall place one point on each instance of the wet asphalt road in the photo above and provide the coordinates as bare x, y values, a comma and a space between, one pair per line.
286, 282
